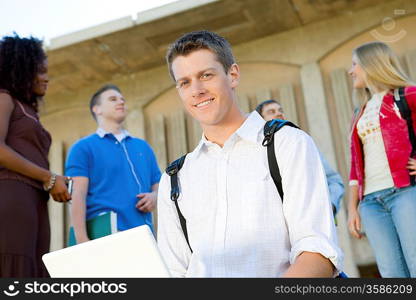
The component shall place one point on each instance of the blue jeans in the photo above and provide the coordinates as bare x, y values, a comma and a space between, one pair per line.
389, 221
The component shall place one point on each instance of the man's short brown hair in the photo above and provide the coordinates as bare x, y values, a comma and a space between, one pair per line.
95, 99
260, 107
198, 40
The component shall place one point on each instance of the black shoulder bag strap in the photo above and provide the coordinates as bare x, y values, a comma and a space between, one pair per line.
401, 102
172, 170
270, 128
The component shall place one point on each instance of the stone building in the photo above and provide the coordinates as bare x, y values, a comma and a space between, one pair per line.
298, 51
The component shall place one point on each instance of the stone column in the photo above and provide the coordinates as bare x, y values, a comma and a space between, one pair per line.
316, 110
56, 209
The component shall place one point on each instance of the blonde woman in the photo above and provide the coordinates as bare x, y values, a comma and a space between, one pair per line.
382, 200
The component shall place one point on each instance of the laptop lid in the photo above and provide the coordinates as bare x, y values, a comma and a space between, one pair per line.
129, 253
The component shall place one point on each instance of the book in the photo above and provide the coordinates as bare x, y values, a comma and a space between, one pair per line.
103, 224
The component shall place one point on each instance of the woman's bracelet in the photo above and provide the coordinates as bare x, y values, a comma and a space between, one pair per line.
51, 182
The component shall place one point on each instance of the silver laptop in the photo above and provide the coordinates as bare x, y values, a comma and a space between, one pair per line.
129, 253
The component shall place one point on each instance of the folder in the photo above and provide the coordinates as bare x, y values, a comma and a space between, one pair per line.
99, 226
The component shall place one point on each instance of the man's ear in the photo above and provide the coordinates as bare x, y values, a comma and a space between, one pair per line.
96, 109
234, 74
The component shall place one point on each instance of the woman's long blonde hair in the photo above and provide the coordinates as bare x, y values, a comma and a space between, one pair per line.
382, 68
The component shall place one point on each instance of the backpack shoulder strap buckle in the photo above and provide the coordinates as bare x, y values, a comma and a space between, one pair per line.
172, 170
269, 130
175, 166
271, 127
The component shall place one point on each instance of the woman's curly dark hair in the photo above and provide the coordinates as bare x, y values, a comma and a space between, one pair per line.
20, 60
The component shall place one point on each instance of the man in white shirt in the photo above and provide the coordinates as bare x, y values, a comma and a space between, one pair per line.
236, 222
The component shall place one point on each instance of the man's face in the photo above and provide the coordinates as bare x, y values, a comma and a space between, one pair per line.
111, 106
272, 111
205, 88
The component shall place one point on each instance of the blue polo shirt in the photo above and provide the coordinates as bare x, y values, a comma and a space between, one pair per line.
117, 172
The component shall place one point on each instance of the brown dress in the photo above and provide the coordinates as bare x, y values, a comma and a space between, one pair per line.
24, 220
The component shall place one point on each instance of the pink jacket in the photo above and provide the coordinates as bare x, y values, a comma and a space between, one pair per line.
395, 137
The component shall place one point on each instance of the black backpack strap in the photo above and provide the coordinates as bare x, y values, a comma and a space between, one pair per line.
172, 170
401, 102
270, 128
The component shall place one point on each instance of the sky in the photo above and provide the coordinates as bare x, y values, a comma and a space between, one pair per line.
46, 19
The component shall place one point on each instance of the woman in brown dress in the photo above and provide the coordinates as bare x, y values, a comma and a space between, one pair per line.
25, 179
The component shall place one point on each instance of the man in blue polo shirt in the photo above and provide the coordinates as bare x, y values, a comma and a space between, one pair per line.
112, 170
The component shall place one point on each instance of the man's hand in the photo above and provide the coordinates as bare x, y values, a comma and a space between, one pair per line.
147, 202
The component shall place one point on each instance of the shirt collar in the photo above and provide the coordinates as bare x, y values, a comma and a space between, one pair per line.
379, 95
251, 127
249, 131
102, 133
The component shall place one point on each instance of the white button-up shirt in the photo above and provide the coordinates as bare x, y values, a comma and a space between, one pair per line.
236, 222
